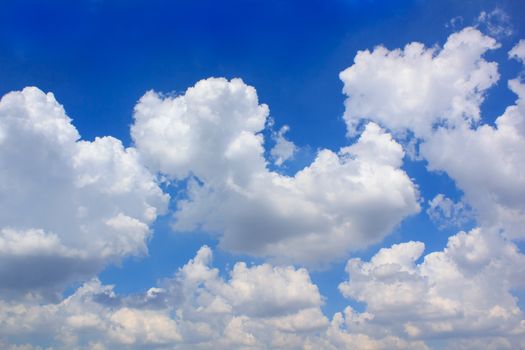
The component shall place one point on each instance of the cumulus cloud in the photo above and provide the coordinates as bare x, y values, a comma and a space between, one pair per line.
258, 306
435, 95
487, 163
212, 136
71, 206
460, 292
417, 88
457, 294
68, 206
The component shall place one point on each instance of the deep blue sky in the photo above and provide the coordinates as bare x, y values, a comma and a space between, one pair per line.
98, 57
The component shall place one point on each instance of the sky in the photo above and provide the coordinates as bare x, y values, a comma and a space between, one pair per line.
250, 174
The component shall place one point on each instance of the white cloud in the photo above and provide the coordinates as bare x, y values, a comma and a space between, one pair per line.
258, 306
283, 149
436, 95
447, 213
457, 294
463, 291
325, 210
68, 206
343, 334
518, 51
416, 88
488, 164
132, 326
212, 131
71, 206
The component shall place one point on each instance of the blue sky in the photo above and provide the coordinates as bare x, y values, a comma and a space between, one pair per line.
436, 158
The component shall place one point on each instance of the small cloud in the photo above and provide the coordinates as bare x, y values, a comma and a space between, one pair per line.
496, 23
283, 149
518, 51
455, 23
446, 213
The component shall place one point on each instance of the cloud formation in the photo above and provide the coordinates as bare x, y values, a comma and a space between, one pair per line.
68, 206
284, 149
435, 95
211, 135
194, 309
451, 297
417, 88
463, 291
257, 307
71, 206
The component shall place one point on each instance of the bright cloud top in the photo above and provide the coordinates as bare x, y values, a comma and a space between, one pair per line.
416, 88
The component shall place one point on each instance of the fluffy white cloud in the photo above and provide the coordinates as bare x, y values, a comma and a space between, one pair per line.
84, 319
462, 291
257, 307
416, 88
436, 95
343, 333
211, 131
488, 164
451, 296
340, 202
68, 206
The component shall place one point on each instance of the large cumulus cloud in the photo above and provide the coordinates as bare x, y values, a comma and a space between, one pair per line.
255, 307
68, 206
463, 291
211, 135
435, 95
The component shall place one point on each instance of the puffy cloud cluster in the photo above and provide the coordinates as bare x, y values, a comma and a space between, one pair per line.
257, 307
432, 97
444, 301
195, 309
463, 291
417, 88
488, 164
211, 135
436, 95
68, 206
